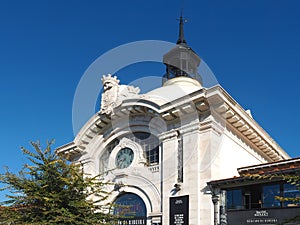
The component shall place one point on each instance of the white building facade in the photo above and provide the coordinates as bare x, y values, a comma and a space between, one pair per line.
162, 147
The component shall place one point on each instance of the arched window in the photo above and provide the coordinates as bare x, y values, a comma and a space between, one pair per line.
130, 206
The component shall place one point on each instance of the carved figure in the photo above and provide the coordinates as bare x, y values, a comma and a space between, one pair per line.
110, 93
113, 93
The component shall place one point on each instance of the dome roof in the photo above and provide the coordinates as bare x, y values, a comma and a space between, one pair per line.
172, 90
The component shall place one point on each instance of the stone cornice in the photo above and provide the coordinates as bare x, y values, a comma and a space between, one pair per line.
245, 126
69, 151
168, 135
189, 128
211, 125
214, 101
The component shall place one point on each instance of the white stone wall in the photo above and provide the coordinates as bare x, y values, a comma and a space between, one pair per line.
210, 152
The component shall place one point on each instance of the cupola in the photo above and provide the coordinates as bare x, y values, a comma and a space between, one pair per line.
181, 62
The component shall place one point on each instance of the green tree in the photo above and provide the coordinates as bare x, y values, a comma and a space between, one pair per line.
50, 190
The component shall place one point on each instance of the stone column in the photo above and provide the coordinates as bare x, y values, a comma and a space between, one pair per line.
215, 200
223, 214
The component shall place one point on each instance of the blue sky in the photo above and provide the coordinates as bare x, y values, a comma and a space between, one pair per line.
46, 46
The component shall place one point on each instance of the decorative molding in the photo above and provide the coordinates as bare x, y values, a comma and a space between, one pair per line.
110, 94
172, 134
139, 157
210, 124
114, 94
214, 101
189, 128
153, 168
70, 151
244, 125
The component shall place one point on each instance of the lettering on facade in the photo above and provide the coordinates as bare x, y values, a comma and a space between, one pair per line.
259, 220
262, 213
262, 221
132, 222
178, 202
264, 217
178, 219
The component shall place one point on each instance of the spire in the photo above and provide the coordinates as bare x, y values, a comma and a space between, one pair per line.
181, 39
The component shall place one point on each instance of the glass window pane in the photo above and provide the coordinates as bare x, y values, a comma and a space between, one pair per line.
234, 199
269, 193
129, 205
291, 191
149, 143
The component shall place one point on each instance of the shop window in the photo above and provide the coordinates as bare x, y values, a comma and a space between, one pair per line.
269, 196
291, 191
234, 199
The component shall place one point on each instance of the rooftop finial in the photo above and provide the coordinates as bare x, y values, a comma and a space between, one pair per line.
181, 39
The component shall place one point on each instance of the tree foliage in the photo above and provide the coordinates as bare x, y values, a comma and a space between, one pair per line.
50, 190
